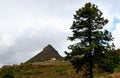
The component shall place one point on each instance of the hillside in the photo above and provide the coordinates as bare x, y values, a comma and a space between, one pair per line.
43, 70
49, 70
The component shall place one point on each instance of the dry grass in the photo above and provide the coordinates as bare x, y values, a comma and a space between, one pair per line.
50, 70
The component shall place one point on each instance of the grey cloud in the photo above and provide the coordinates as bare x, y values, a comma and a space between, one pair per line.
15, 13
25, 46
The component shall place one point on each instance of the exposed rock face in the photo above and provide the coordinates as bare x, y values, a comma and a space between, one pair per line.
47, 54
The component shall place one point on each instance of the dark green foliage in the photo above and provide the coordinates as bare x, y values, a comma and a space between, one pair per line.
108, 62
8, 73
118, 54
92, 43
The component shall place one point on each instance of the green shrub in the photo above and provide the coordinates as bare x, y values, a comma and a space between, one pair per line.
8, 73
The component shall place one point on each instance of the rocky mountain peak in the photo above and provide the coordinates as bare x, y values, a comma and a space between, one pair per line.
48, 53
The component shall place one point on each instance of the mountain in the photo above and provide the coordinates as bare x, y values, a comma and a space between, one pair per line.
48, 53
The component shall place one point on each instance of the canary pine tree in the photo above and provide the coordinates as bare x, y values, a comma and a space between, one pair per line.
91, 41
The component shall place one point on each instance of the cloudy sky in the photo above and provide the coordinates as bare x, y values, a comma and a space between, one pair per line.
27, 26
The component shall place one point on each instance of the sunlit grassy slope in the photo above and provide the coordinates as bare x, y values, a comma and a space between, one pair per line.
48, 70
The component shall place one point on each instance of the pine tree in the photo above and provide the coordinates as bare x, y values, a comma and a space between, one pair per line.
91, 41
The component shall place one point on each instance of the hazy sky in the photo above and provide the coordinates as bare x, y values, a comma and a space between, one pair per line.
27, 26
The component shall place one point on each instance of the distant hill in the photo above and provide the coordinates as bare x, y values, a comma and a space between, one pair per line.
48, 53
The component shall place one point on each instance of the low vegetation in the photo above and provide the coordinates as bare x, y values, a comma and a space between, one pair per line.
50, 70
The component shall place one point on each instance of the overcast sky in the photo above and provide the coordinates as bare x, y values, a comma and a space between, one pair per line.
27, 26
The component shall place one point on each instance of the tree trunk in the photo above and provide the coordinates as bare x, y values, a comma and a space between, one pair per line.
91, 68
90, 54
